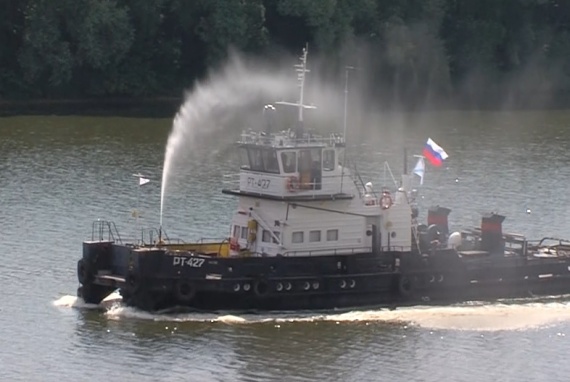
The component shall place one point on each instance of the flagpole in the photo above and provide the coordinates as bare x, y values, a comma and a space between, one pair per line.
421, 159
139, 177
142, 181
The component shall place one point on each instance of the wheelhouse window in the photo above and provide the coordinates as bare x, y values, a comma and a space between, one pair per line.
277, 235
267, 238
297, 237
236, 231
243, 159
289, 161
260, 159
270, 163
255, 160
314, 236
328, 160
332, 235
244, 232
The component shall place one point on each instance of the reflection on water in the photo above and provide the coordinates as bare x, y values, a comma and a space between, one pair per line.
341, 346
59, 174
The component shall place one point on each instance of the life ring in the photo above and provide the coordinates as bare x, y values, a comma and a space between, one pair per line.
386, 201
261, 288
292, 183
185, 291
405, 286
84, 273
234, 244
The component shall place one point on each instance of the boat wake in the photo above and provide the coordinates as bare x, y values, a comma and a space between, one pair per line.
69, 301
473, 316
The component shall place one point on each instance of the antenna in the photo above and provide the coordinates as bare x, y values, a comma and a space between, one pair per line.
347, 69
405, 161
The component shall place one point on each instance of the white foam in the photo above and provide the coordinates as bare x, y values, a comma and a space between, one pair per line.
69, 301
479, 317
471, 316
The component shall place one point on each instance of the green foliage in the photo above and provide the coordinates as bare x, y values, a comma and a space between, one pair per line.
416, 50
231, 23
102, 33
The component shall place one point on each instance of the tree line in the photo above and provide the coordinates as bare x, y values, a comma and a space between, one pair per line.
413, 51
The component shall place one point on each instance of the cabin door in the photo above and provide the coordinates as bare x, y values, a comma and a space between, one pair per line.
310, 169
375, 239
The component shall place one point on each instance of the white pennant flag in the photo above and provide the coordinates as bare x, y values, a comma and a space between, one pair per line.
420, 169
143, 181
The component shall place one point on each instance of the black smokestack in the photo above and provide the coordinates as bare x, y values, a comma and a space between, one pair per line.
492, 232
438, 215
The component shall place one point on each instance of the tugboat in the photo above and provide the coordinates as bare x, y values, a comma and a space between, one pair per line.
308, 235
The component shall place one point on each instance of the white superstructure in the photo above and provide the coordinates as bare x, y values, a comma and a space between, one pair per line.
296, 198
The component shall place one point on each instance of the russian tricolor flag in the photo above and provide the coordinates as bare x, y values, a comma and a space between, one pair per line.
434, 153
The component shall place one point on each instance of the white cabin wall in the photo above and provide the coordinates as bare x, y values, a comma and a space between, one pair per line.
351, 228
397, 219
280, 216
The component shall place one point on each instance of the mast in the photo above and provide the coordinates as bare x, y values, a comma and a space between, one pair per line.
301, 70
347, 68
346, 97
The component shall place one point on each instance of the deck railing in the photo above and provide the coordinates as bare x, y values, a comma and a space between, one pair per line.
103, 230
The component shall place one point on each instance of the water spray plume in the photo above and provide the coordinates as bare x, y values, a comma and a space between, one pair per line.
236, 85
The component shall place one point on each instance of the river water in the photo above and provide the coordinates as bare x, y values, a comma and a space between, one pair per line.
59, 174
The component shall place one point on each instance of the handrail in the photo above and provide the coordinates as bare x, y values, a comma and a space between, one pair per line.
329, 251
560, 241
395, 248
259, 137
103, 228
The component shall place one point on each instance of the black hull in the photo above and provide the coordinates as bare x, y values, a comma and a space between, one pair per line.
154, 278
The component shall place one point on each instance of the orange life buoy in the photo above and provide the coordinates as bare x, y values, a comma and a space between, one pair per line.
234, 244
292, 184
385, 201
